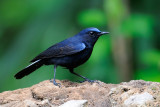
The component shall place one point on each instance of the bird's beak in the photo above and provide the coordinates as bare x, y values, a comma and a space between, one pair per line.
102, 33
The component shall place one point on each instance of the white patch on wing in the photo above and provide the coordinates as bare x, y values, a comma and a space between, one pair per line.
83, 45
33, 63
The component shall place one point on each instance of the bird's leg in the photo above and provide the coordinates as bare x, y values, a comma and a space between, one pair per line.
85, 79
54, 81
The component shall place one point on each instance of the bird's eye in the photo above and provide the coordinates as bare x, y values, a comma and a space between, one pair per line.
91, 33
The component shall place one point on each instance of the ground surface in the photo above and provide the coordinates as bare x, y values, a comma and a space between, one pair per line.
136, 93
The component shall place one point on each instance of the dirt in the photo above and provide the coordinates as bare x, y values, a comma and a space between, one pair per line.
136, 93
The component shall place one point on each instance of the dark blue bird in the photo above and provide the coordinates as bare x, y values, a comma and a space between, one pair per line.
69, 53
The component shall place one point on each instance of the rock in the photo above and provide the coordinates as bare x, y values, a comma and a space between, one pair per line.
136, 93
75, 103
138, 99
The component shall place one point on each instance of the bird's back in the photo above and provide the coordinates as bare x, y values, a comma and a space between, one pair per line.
69, 53
63, 48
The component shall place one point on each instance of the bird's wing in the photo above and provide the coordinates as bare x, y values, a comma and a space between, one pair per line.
60, 50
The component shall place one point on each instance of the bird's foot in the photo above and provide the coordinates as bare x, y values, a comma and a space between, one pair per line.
55, 83
90, 81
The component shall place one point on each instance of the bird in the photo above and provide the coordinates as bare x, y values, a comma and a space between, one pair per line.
69, 53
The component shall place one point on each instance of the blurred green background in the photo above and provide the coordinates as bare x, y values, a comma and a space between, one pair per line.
130, 51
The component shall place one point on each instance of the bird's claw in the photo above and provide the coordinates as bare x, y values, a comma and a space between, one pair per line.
57, 84
90, 81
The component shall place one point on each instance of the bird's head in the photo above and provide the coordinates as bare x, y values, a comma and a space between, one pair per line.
91, 34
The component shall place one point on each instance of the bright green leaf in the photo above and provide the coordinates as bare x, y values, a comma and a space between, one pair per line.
93, 17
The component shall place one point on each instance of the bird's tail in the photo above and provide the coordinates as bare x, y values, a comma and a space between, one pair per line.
29, 69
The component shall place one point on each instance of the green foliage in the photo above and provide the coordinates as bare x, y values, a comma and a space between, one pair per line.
30, 26
151, 58
138, 25
114, 9
92, 17
149, 74
150, 66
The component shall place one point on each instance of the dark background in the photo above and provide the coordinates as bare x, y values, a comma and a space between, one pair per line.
130, 51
